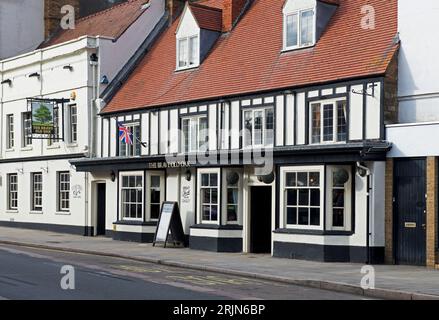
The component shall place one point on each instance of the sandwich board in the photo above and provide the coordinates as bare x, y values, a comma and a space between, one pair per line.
169, 226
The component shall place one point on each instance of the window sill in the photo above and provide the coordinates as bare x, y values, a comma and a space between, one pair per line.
27, 148
36, 212
10, 150
63, 213
72, 145
187, 68
313, 232
11, 211
297, 48
135, 223
54, 146
217, 227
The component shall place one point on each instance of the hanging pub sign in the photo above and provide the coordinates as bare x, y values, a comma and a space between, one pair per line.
169, 226
45, 116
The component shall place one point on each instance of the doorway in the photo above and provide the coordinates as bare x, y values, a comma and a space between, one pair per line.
100, 209
260, 219
410, 211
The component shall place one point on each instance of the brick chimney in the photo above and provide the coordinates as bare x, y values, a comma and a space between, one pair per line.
231, 12
175, 8
53, 15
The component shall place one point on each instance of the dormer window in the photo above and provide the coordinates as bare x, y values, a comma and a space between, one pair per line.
299, 29
188, 52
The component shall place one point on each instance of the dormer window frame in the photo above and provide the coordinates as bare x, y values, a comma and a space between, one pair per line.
188, 64
299, 13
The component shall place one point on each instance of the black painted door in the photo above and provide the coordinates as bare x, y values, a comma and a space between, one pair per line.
410, 211
101, 208
260, 220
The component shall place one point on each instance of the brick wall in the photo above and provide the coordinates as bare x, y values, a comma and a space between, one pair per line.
432, 175
53, 15
389, 259
391, 92
231, 11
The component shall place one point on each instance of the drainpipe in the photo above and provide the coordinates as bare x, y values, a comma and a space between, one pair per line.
369, 189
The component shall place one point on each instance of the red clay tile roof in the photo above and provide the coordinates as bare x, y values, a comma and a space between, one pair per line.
208, 18
249, 59
111, 23
212, 3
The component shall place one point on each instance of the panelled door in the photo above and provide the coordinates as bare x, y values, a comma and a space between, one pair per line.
410, 211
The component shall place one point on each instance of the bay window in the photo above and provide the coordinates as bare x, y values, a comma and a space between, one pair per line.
299, 29
208, 195
195, 135
258, 127
328, 121
131, 196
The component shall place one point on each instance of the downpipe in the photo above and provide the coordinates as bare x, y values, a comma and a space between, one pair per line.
368, 189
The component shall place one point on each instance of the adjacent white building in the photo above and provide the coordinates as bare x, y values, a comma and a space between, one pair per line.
39, 188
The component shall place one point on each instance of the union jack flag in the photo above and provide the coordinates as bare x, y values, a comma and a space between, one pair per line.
125, 134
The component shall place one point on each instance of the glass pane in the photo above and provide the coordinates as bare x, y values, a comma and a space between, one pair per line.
314, 179
205, 195
186, 135
291, 30
203, 136
155, 196
155, 211
232, 196
155, 181
306, 27
193, 135
338, 198
213, 180
248, 127
206, 212
214, 213
315, 197
182, 49
341, 121
258, 127
328, 122
302, 179
338, 218
214, 193
315, 123
291, 197
205, 180
232, 213
291, 215
303, 197
193, 50
314, 216
290, 179
269, 127
303, 216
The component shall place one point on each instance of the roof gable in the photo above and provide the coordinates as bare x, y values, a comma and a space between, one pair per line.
250, 59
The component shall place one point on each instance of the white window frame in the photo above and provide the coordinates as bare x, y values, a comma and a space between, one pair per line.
347, 200
191, 119
200, 172
36, 194
62, 192
53, 140
224, 200
188, 51
26, 124
136, 143
10, 137
299, 24
121, 188
334, 124
264, 130
150, 174
12, 195
283, 206
73, 123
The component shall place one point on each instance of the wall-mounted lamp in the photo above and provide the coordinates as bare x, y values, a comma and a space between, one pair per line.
105, 80
7, 81
69, 67
267, 179
35, 75
94, 57
188, 175
113, 176
362, 169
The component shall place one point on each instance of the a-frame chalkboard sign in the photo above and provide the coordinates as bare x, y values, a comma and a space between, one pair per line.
169, 226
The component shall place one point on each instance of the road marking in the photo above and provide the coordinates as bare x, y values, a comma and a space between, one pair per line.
214, 280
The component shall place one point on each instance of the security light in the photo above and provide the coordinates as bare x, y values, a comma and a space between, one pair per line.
35, 74
69, 67
7, 81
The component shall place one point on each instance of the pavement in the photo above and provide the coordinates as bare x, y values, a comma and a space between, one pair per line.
391, 282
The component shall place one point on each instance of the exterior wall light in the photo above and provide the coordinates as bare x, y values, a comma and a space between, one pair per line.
267, 179
7, 81
188, 175
113, 176
105, 80
35, 74
69, 67
94, 57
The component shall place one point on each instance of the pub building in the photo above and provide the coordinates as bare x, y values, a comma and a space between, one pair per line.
302, 87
